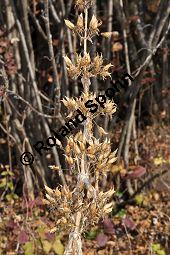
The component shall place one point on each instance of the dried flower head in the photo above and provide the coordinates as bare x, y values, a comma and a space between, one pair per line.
80, 22
93, 26
66, 201
105, 71
79, 28
86, 67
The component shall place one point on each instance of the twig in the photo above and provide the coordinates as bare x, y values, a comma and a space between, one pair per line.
37, 25
13, 106
54, 13
149, 57
52, 57
46, 98
32, 108
6, 132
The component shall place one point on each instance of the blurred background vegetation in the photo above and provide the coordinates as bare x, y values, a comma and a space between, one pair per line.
33, 80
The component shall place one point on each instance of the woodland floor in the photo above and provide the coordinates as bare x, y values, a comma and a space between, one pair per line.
142, 227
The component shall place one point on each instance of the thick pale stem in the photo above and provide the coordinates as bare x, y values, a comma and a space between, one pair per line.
75, 245
78, 220
85, 32
86, 81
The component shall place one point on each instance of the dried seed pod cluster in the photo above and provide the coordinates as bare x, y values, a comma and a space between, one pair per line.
66, 204
86, 196
72, 105
79, 27
86, 67
100, 157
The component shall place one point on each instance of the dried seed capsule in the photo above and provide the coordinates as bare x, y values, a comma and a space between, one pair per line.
93, 23
68, 61
91, 155
105, 146
112, 160
86, 60
69, 24
100, 157
49, 191
106, 154
102, 131
68, 149
80, 23
82, 146
50, 198
108, 208
93, 210
76, 148
57, 192
113, 154
71, 141
70, 160
63, 220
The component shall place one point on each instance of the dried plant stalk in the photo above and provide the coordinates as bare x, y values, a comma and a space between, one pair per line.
80, 204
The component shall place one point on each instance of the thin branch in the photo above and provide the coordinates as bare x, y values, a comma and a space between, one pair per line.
134, 89
31, 107
149, 57
54, 13
37, 25
52, 57
6, 132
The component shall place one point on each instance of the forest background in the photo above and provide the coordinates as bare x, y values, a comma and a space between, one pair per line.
34, 79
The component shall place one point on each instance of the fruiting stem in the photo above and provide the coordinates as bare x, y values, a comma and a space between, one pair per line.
75, 244
78, 220
85, 32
